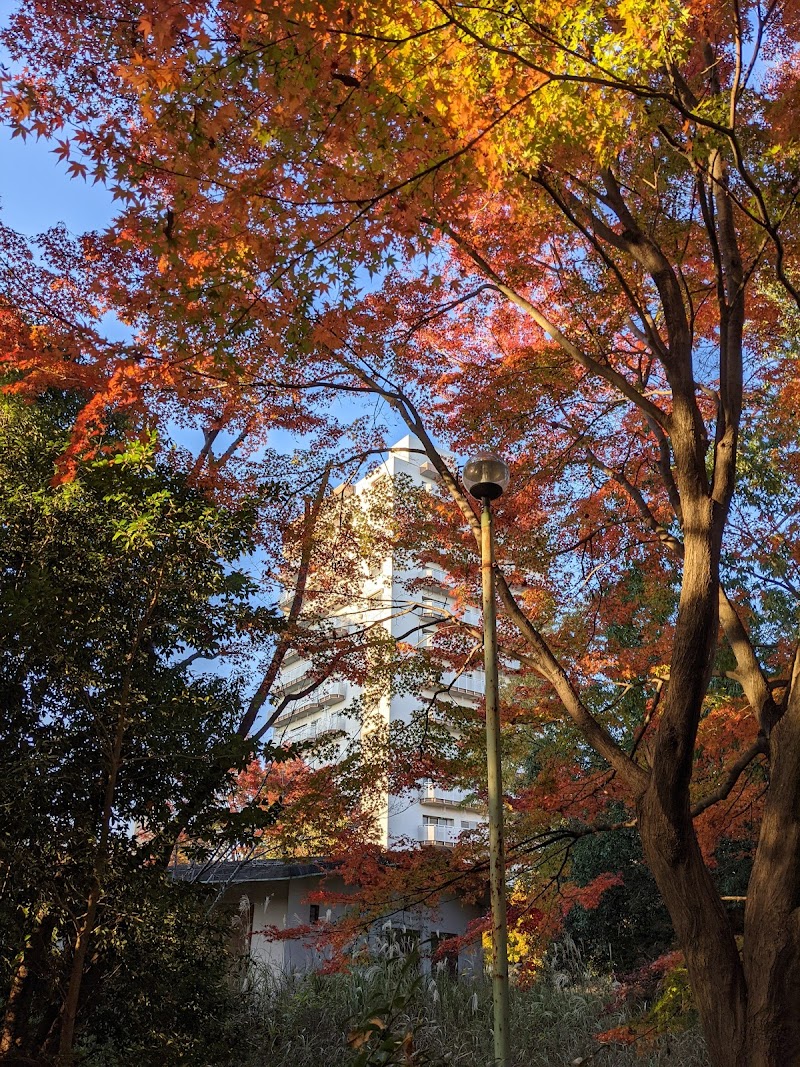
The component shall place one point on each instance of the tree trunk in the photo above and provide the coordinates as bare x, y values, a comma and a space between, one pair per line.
13, 1036
772, 913
13, 1016
703, 929
69, 1011
750, 1013
664, 815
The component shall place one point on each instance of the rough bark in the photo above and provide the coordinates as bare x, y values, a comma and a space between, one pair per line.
772, 913
702, 927
668, 838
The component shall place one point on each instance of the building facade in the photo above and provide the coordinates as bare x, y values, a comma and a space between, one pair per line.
263, 897
268, 895
407, 602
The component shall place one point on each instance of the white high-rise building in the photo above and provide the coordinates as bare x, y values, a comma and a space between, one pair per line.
407, 603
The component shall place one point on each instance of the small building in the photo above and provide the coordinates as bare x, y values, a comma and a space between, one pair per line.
267, 895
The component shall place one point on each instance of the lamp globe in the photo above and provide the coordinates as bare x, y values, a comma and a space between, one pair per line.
486, 476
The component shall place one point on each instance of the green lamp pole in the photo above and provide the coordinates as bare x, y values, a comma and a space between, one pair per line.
486, 478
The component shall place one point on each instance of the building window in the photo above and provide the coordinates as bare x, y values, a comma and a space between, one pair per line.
313, 914
437, 820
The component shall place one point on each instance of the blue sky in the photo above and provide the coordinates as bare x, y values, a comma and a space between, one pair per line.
35, 192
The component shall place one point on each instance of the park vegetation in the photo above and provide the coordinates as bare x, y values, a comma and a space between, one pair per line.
567, 230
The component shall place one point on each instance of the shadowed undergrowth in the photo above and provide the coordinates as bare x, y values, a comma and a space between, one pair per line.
386, 1013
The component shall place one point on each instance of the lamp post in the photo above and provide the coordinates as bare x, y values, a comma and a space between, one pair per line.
486, 478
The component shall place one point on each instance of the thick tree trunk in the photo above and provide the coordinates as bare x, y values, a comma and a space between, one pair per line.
665, 821
703, 930
13, 1037
750, 1013
772, 913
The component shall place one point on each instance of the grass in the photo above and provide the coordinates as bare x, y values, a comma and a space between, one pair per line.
304, 1021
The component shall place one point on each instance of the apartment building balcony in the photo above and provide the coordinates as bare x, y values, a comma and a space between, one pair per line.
435, 575
449, 798
468, 684
310, 730
428, 471
429, 834
473, 683
445, 829
432, 607
326, 693
434, 794
291, 678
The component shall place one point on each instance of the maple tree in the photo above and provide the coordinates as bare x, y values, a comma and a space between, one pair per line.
580, 222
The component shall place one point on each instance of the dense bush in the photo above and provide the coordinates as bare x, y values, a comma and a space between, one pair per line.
168, 993
112, 744
630, 924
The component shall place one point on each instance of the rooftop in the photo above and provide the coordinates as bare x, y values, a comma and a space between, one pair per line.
233, 872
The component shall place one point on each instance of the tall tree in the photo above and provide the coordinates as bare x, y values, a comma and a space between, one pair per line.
113, 587
581, 223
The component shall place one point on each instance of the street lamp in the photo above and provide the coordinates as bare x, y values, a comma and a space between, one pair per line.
486, 478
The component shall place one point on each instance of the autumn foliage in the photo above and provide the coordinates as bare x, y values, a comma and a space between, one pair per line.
566, 230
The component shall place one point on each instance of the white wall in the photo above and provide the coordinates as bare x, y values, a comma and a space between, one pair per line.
284, 904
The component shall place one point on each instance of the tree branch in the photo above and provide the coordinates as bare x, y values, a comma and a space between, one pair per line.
613, 377
312, 511
758, 748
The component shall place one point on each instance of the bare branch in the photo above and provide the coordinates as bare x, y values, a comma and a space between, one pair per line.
758, 748
312, 511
